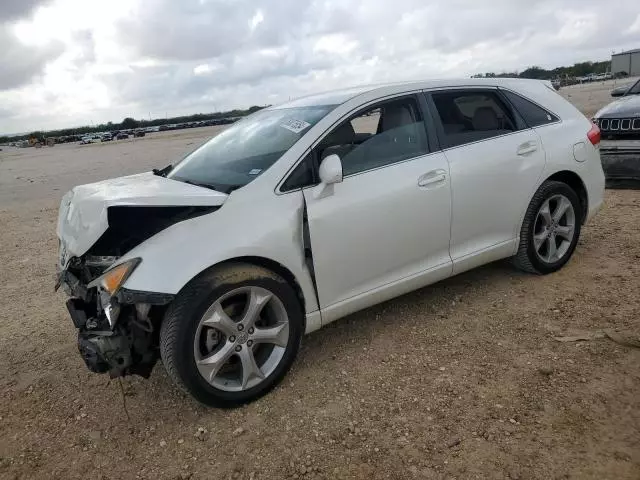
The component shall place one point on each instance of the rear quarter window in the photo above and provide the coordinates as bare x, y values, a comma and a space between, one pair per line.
533, 114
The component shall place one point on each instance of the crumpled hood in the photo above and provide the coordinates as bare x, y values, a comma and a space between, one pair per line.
83, 211
628, 106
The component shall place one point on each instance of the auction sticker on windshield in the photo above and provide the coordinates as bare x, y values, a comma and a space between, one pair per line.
296, 126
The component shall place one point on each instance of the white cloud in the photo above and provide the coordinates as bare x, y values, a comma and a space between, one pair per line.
256, 20
634, 29
70, 62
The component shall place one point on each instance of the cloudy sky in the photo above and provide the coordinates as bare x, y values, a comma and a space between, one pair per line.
72, 62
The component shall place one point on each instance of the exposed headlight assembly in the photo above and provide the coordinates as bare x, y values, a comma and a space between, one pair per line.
111, 280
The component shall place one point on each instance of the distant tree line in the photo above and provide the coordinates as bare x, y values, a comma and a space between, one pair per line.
130, 123
537, 73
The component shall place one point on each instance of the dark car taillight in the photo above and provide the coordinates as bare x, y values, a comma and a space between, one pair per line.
594, 135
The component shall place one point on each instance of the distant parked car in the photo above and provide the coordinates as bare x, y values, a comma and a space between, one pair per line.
139, 133
621, 90
86, 140
122, 136
107, 137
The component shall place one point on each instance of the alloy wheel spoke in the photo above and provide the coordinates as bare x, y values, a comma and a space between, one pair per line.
276, 335
538, 240
552, 250
565, 232
545, 213
219, 320
210, 365
561, 209
250, 368
257, 300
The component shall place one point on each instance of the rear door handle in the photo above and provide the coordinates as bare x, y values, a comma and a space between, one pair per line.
527, 148
432, 178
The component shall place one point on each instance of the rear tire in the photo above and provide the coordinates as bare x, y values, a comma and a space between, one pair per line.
231, 334
550, 230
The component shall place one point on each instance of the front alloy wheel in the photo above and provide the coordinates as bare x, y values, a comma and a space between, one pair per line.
231, 334
241, 338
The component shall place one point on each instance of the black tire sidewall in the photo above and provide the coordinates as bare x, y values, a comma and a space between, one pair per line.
186, 365
549, 190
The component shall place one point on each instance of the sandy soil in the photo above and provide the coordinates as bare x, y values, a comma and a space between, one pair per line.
462, 379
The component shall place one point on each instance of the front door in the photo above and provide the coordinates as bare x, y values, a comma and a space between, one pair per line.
389, 219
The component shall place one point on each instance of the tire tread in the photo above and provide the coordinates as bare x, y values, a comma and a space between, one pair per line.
198, 288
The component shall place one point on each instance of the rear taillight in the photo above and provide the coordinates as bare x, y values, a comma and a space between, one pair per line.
594, 135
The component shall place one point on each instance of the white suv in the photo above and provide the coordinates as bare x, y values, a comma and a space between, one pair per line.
303, 213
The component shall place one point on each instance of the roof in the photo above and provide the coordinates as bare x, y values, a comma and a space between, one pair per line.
337, 97
637, 50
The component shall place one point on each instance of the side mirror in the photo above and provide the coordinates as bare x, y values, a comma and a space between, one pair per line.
331, 170
330, 174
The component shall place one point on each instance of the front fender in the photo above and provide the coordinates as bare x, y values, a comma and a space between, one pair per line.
270, 228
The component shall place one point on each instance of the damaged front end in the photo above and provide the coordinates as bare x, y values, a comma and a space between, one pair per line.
117, 328
98, 225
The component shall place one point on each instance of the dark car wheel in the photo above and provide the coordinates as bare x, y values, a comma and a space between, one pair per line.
550, 230
231, 334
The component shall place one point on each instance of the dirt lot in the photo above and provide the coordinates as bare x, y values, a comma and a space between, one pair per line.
591, 97
459, 380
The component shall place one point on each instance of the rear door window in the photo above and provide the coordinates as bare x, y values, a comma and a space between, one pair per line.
533, 115
472, 115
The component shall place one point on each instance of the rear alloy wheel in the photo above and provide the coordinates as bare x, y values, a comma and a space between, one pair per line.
554, 229
231, 334
550, 230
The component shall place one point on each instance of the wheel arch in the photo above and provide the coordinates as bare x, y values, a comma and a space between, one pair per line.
268, 264
573, 180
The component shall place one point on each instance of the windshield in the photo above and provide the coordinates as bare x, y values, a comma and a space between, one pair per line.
635, 89
242, 152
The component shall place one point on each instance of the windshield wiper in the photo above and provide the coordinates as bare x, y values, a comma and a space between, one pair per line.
211, 186
162, 172
198, 184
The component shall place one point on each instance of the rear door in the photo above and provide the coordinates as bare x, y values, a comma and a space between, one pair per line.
494, 162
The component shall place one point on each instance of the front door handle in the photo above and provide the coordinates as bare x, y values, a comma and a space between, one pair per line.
432, 178
527, 148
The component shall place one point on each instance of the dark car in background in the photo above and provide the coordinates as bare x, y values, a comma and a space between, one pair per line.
621, 90
621, 118
619, 124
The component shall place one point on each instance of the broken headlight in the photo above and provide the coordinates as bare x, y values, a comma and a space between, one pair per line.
111, 280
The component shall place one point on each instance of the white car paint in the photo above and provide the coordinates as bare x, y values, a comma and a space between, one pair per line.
376, 234
487, 194
383, 233
82, 218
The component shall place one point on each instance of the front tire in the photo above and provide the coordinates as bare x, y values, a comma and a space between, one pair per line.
550, 230
231, 334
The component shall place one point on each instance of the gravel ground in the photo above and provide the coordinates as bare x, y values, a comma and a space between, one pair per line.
462, 379
591, 97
